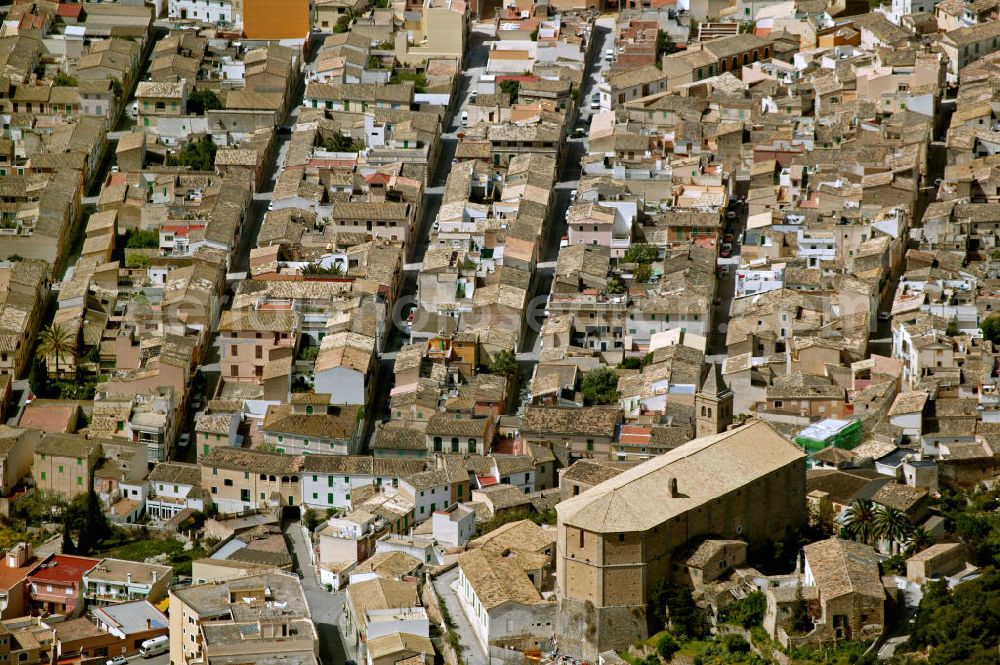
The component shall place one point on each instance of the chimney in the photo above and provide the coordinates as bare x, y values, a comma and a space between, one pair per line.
672, 487
156, 575
149, 623
128, 578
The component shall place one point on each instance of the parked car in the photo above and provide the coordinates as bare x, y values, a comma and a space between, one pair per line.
609, 55
595, 101
465, 118
726, 251
183, 441
884, 316
117, 660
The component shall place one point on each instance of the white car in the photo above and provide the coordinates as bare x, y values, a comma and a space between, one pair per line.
184, 440
609, 55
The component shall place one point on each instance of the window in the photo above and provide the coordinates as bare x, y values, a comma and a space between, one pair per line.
621, 537
43, 475
454, 444
228, 482
245, 496
590, 445
437, 444
472, 445
60, 468
79, 481
309, 410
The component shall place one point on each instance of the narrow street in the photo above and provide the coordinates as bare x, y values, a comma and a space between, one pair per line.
472, 652
326, 608
567, 180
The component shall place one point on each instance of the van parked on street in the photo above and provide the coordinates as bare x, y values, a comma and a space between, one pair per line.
155, 646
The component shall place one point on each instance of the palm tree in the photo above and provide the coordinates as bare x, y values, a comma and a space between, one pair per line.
918, 540
55, 342
892, 524
859, 520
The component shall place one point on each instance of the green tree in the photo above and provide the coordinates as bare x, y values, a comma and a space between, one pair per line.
801, 620
960, 625
341, 143
747, 612
952, 328
892, 524
116, 88
38, 376
510, 87
201, 100
64, 80
68, 546
859, 521
96, 527
672, 603
419, 79
198, 155
735, 644
990, 328
56, 342
667, 647
917, 540
664, 44
343, 23
643, 273
504, 364
312, 519
600, 386
15, 258
614, 287
641, 253
143, 239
